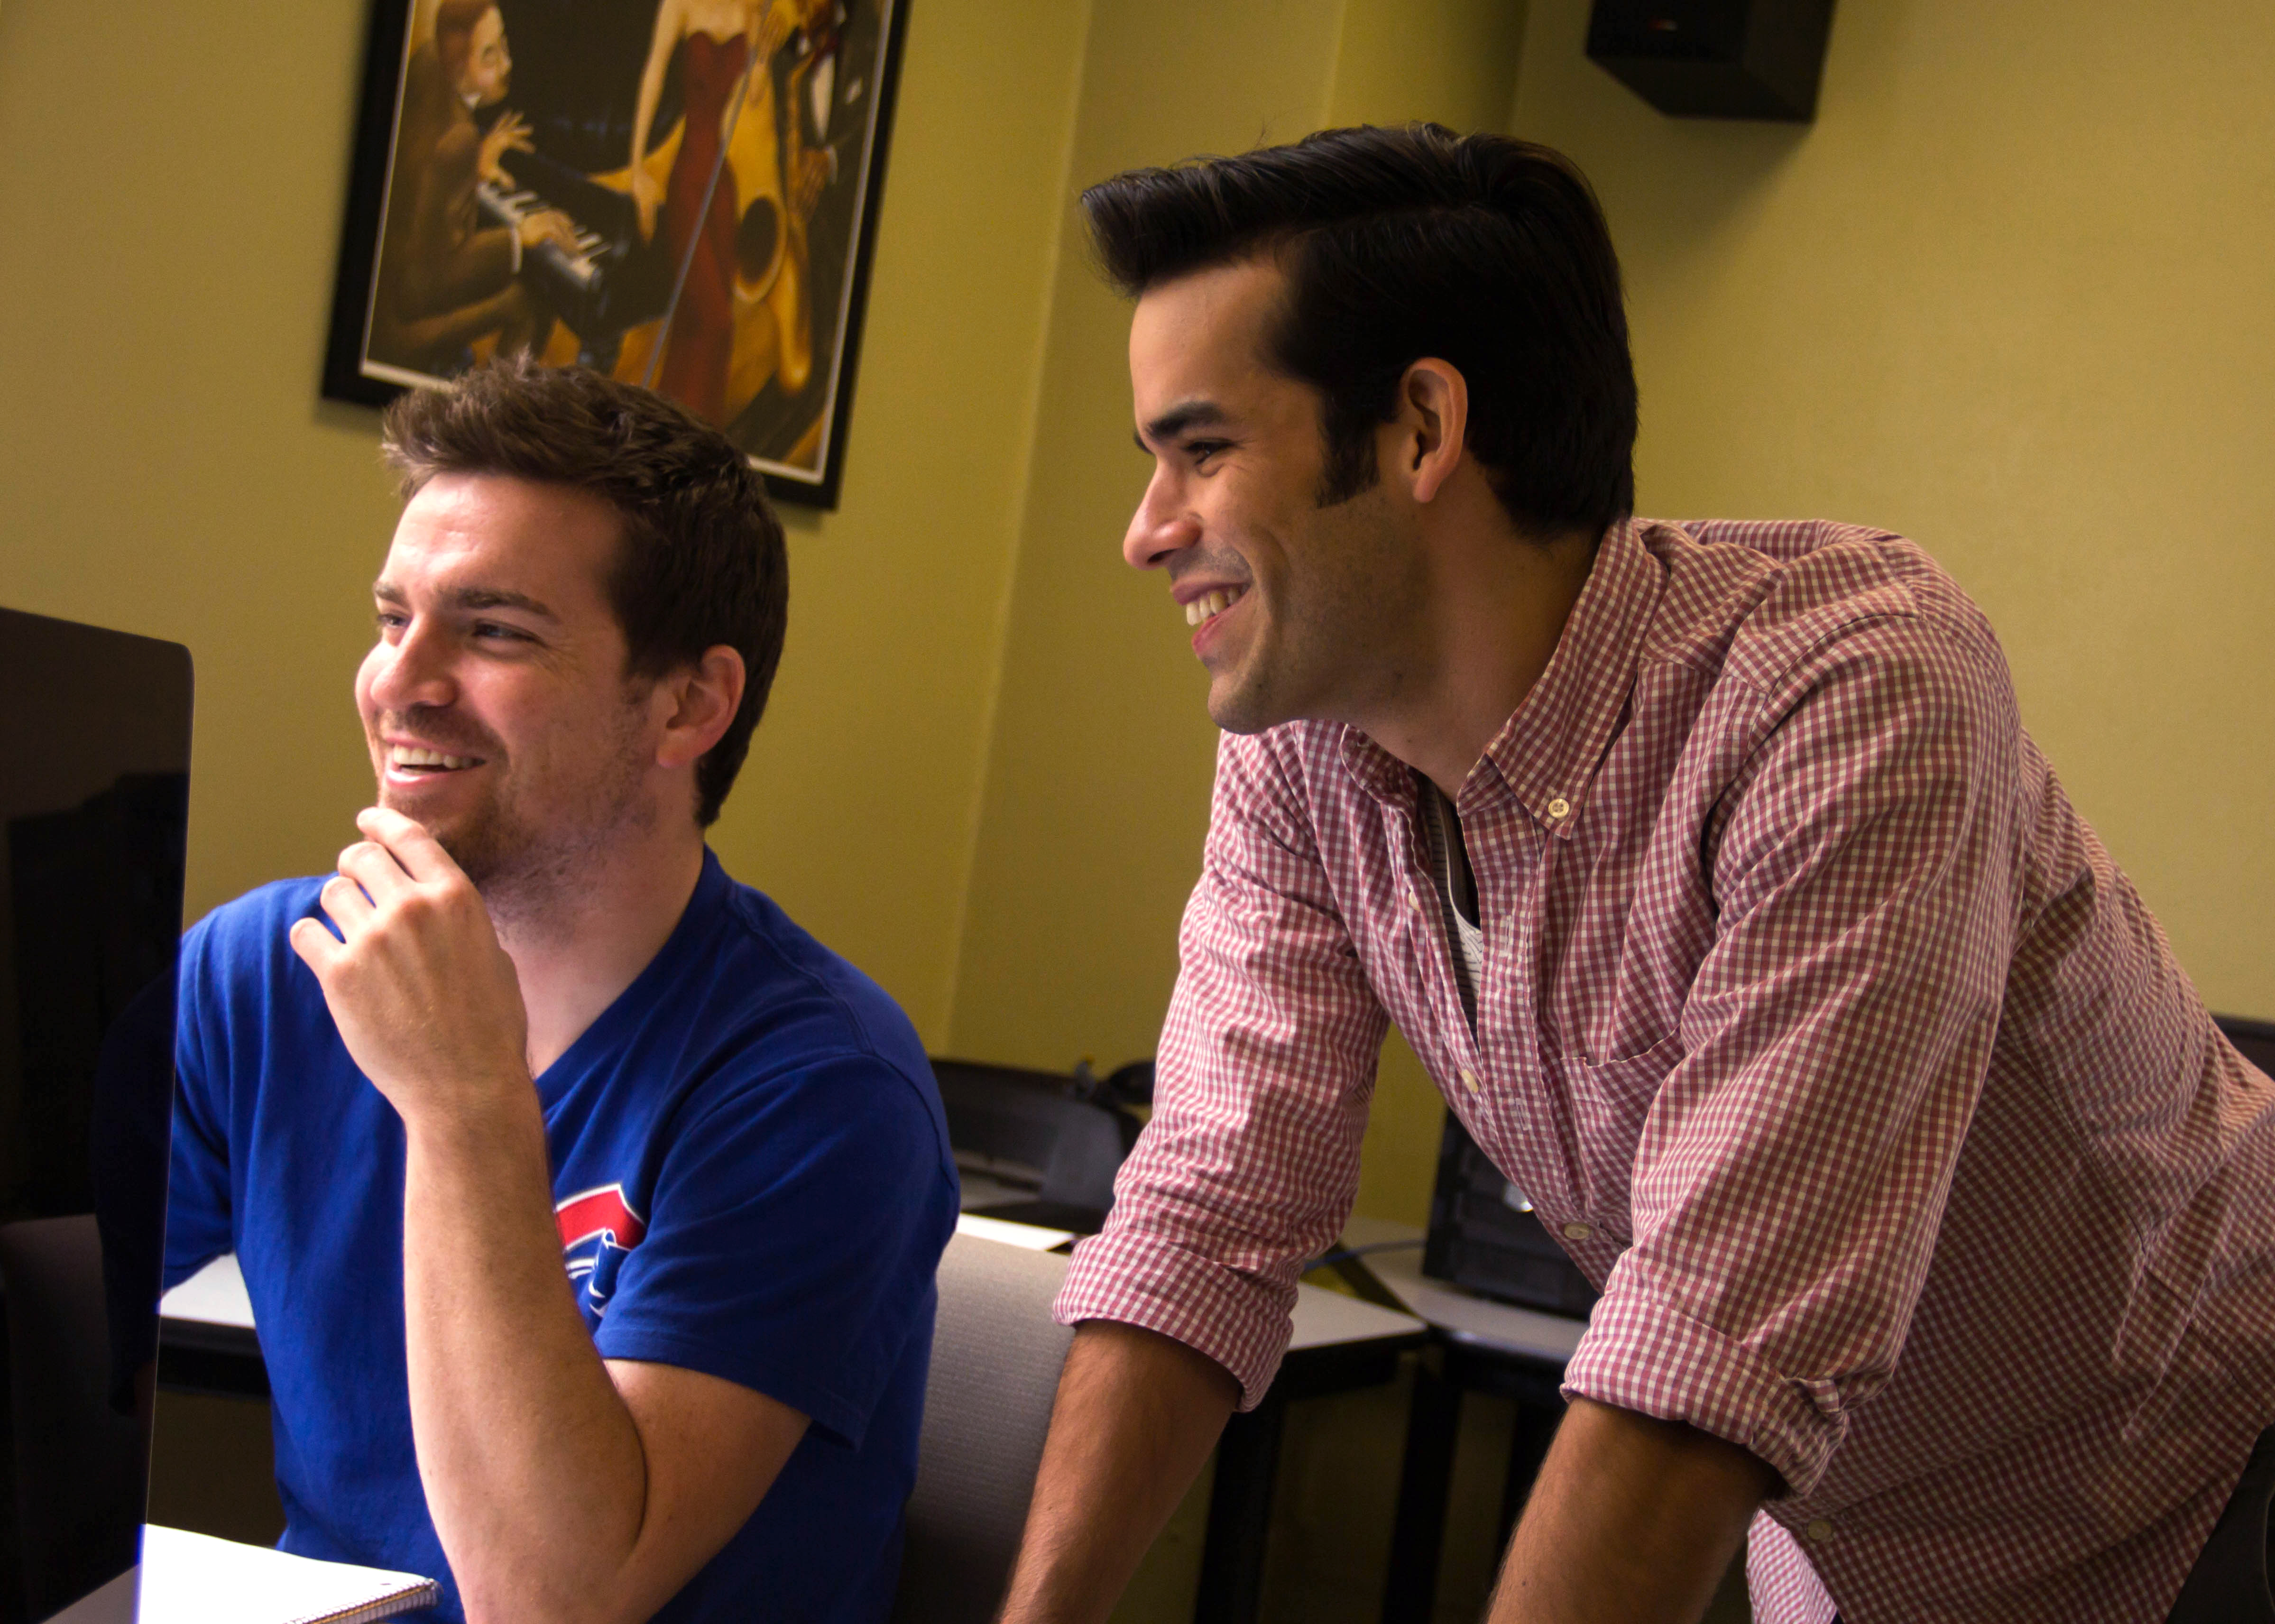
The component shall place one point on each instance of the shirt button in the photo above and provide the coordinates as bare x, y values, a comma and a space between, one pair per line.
1470, 1080
1578, 1232
1818, 1531
1560, 807
1414, 900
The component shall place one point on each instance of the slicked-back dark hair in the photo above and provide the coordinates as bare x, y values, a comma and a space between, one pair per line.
701, 560
1486, 252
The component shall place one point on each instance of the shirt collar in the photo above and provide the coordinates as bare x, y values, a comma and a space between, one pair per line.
1547, 752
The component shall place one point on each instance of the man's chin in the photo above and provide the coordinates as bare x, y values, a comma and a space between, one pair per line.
408, 806
464, 840
1236, 710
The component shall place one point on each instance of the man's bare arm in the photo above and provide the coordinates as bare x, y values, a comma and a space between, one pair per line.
1633, 1520
562, 1488
1136, 1416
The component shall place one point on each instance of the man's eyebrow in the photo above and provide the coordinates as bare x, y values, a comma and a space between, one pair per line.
1177, 419
471, 598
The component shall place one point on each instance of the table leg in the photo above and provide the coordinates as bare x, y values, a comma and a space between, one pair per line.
1410, 1589
1239, 1515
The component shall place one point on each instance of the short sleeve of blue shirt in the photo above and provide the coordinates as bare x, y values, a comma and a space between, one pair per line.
785, 1251
198, 1198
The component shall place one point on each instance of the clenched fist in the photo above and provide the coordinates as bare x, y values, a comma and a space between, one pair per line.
425, 997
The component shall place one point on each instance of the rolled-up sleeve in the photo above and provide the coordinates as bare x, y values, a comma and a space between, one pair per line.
1795, 1164
1266, 1068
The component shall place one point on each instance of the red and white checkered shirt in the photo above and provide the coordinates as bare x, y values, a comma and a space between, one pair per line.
1848, 1064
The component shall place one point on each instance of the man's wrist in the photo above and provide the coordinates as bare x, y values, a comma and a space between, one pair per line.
499, 1117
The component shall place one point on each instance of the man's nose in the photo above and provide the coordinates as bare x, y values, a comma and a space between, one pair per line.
1161, 527
415, 670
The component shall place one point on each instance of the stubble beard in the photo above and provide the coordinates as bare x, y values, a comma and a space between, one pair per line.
1320, 653
530, 874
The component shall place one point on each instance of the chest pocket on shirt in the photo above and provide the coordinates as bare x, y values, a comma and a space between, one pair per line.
1609, 1101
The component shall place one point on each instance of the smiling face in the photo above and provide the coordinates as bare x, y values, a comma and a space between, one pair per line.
496, 703
1302, 611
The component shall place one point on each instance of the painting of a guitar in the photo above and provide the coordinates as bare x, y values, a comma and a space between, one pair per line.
679, 192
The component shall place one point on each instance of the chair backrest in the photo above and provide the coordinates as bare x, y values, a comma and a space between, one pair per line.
995, 1358
80, 1466
2253, 1039
1022, 1127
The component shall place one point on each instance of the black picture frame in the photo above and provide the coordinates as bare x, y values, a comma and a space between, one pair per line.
790, 225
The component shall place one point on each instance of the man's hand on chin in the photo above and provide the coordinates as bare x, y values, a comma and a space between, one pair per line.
425, 998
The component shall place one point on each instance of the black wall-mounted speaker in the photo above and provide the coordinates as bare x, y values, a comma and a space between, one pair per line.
1715, 59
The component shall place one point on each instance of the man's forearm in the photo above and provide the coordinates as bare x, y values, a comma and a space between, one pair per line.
1633, 1521
533, 1468
1136, 1415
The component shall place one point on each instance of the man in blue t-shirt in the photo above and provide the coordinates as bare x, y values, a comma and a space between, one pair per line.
589, 1207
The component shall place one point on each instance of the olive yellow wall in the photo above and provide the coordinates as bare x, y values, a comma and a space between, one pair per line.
2013, 294
2010, 294
169, 217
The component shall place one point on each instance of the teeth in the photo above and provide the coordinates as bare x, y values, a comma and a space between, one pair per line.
1209, 605
403, 755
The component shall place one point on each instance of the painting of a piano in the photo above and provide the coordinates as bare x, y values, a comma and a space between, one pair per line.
679, 193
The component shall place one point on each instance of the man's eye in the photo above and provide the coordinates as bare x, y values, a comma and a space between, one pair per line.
389, 620
1201, 451
493, 632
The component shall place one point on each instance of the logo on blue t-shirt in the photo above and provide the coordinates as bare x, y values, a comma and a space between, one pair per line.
598, 1232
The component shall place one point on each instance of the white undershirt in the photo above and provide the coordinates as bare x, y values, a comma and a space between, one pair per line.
1441, 835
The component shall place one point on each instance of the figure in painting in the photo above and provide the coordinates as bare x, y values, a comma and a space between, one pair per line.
741, 188
445, 280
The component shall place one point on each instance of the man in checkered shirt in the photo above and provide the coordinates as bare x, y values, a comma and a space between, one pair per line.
1710, 872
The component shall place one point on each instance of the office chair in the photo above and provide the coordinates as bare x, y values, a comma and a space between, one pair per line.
2253, 1039
995, 1359
80, 1466
1048, 1144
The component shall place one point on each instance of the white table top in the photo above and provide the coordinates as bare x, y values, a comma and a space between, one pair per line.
1473, 1321
1327, 1319
216, 1294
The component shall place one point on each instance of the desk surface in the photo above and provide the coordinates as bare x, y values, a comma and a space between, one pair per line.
215, 1296
1475, 1322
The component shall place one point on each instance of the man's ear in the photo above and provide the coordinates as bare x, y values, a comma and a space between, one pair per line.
699, 701
1431, 424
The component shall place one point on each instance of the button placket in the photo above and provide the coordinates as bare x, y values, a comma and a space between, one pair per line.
1430, 950
1502, 859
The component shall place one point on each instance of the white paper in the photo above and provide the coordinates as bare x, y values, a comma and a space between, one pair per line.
1032, 1236
214, 1295
196, 1579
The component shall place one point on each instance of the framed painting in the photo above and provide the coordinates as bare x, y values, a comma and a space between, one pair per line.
680, 194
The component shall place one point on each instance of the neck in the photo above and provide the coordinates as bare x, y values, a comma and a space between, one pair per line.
578, 943
1496, 607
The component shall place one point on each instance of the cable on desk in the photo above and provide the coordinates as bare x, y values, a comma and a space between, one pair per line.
1327, 1260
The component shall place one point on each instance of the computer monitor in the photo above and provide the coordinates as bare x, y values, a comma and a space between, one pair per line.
1485, 1238
94, 759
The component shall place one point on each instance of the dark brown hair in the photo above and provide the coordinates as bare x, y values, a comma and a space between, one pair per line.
454, 34
1486, 252
701, 560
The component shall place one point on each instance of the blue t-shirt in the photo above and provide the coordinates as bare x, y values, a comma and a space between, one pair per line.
752, 1178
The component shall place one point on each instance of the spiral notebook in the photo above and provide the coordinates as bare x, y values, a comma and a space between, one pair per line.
196, 1579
